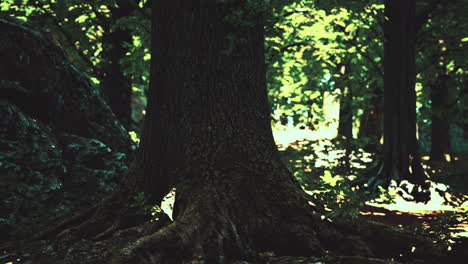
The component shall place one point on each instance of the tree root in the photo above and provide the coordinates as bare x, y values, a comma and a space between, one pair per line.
215, 224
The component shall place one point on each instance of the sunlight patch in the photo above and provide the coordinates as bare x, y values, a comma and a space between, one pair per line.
167, 204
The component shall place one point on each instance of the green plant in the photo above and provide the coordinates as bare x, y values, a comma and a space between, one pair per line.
140, 204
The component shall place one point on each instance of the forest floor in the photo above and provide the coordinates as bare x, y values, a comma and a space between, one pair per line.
452, 173
434, 216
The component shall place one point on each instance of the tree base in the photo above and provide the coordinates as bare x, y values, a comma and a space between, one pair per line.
215, 237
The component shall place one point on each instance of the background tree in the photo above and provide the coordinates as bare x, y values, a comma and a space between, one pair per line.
402, 159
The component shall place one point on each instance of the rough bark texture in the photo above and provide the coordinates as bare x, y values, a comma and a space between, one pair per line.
59, 142
207, 133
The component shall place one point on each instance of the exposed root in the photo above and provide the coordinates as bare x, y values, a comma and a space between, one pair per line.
216, 223
177, 242
54, 230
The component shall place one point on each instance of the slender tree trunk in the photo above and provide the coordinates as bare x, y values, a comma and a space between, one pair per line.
116, 87
401, 151
345, 125
440, 138
371, 120
463, 95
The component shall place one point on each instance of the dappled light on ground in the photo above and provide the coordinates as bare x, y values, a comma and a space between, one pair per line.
286, 137
402, 212
312, 154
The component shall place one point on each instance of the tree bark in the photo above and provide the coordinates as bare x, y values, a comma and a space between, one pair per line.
345, 125
371, 121
207, 133
401, 151
117, 87
440, 139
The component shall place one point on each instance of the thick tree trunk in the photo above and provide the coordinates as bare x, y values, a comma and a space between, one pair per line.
207, 133
401, 151
207, 99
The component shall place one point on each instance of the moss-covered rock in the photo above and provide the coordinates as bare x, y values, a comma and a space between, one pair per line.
60, 144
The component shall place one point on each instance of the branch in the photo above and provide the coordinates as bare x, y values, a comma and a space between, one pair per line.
70, 40
295, 11
284, 48
371, 61
296, 44
98, 14
374, 65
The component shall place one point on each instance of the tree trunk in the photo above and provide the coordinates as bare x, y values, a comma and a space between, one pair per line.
117, 87
345, 125
371, 121
440, 138
401, 151
207, 133
463, 95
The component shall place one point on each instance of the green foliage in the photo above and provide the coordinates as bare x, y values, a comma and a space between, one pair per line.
43, 177
134, 137
318, 168
442, 56
308, 43
84, 30
307, 49
140, 204
441, 227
